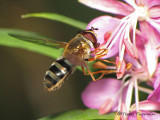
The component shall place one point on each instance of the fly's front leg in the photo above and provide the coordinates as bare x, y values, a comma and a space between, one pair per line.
99, 53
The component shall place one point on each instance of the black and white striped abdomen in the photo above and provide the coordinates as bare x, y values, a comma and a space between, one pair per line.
57, 73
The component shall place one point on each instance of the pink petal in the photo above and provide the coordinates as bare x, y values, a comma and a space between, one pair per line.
147, 105
156, 78
105, 24
155, 95
140, 2
106, 107
151, 3
140, 42
96, 93
157, 82
131, 49
131, 3
110, 6
150, 32
107, 36
154, 12
150, 47
145, 115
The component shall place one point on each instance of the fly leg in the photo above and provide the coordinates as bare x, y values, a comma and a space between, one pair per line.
98, 54
103, 72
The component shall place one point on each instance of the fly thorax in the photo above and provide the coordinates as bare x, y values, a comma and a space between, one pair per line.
78, 46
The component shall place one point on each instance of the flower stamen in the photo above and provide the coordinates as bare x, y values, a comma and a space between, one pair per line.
136, 94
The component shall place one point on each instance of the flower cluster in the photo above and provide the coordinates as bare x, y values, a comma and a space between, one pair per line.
134, 38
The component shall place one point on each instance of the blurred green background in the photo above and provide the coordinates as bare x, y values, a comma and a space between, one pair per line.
21, 74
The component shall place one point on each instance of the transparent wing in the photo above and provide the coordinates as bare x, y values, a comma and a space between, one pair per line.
45, 42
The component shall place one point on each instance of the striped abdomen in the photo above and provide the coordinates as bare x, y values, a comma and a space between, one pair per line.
57, 73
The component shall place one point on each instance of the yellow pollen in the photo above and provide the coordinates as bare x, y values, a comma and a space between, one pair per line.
139, 115
117, 116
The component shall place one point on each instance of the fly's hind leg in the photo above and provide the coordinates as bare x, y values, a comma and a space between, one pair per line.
89, 73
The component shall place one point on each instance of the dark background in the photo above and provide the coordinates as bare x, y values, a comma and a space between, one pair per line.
21, 72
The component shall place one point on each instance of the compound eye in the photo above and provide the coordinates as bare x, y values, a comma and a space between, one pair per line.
91, 36
97, 45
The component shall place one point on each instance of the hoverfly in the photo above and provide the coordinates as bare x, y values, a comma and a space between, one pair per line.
77, 52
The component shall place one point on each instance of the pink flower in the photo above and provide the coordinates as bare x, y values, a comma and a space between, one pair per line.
97, 93
152, 103
134, 34
123, 38
111, 95
110, 89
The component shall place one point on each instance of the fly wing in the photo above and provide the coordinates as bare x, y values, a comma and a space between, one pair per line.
40, 41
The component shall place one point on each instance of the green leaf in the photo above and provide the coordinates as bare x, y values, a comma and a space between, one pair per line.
89, 114
58, 17
7, 38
